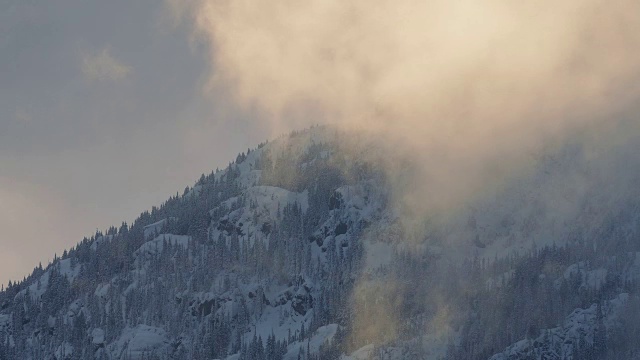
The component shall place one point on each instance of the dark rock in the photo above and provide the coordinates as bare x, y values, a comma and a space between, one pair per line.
341, 228
266, 228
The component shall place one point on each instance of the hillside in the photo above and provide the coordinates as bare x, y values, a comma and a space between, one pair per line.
299, 249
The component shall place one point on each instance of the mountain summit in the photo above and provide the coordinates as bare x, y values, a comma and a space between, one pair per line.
305, 248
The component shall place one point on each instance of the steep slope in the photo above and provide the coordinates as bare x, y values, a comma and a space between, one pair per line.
299, 249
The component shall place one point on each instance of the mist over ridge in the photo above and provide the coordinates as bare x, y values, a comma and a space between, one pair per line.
483, 85
472, 194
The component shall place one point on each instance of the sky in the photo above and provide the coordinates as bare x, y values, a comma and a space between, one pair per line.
102, 115
108, 108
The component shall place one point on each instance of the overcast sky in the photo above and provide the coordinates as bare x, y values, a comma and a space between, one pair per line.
102, 115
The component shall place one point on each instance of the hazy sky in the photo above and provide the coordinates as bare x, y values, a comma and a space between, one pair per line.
101, 117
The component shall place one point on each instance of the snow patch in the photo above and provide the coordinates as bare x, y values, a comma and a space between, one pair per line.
322, 335
364, 353
38, 287
154, 247
64, 266
590, 279
99, 240
102, 290
268, 197
143, 340
152, 229
263, 204
97, 336
64, 351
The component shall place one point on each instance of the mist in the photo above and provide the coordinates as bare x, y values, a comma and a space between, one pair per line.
469, 94
480, 85
489, 126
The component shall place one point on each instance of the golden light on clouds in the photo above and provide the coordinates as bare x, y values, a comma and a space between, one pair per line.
406, 56
470, 81
469, 90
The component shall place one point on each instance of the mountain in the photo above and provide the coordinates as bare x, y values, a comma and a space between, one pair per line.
300, 249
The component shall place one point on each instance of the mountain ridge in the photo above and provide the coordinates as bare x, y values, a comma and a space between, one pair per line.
298, 249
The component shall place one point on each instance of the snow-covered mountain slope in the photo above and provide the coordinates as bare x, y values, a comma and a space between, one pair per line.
582, 333
299, 249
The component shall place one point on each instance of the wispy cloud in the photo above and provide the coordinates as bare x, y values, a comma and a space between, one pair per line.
102, 66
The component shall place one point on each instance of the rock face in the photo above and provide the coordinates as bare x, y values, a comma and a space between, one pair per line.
298, 250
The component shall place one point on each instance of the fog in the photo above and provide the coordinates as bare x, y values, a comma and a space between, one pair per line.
481, 85
472, 94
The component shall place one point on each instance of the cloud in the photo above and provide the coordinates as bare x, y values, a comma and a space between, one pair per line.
466, 91
102, 66
480, 85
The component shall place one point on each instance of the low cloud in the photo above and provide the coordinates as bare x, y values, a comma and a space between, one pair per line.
102, 66
468, 89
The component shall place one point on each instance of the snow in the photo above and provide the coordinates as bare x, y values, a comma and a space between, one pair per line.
194, 191
267, 198
278, 317
51, 321
360, 211
590, 279
581, 323
152, 229
4, 322
37, 289
319, 337
248, 175
296, 143
136, 342
74, 310
250, 178
97, 336
64, 266
502, 225
64, 351
154, 247
595, 278
102, 290
99, 240
266, 201
362, 200
274, 321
